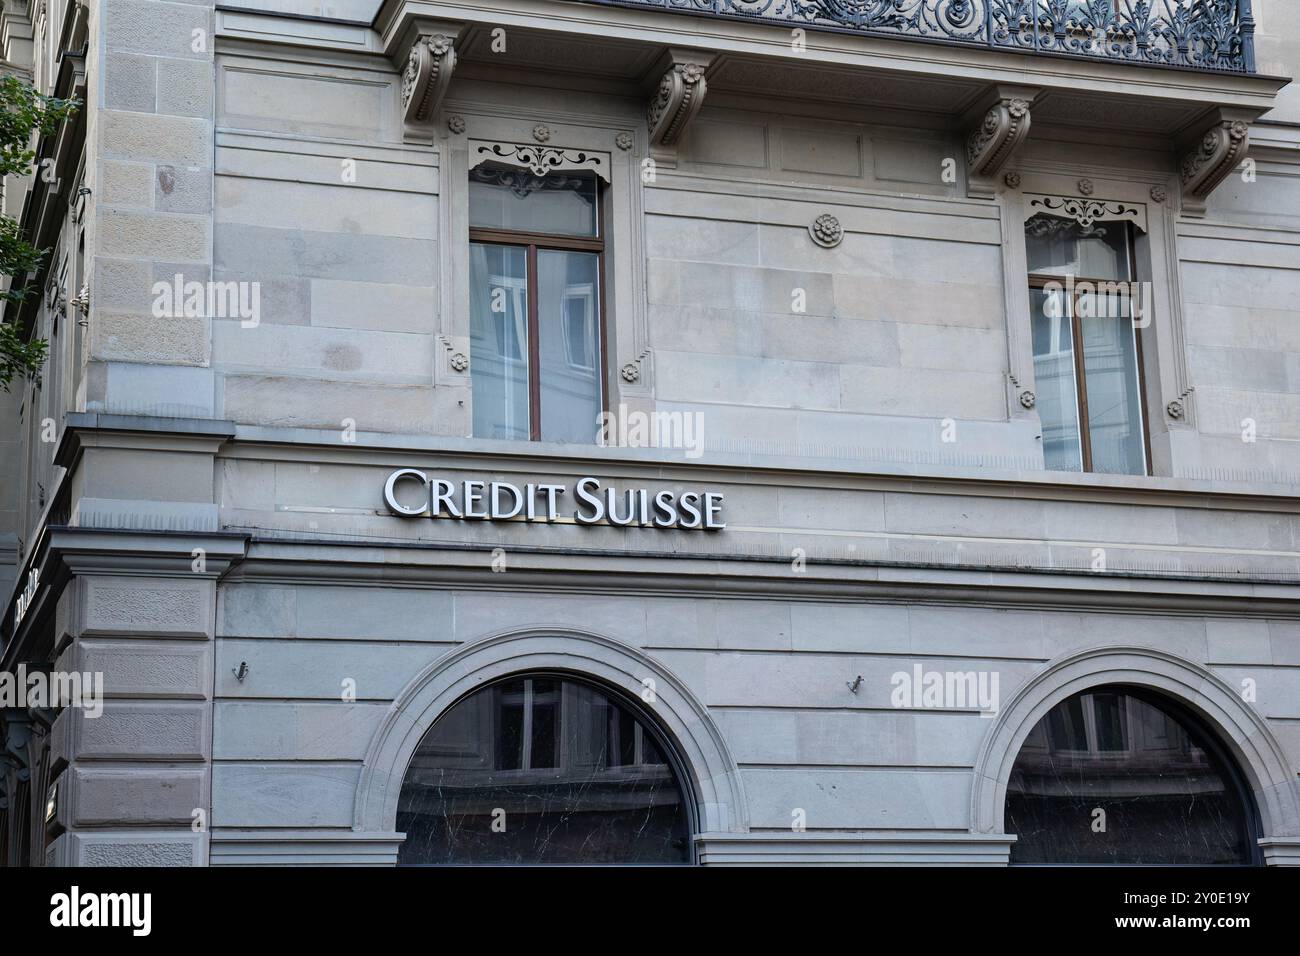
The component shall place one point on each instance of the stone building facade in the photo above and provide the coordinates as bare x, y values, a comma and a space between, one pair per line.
636, 431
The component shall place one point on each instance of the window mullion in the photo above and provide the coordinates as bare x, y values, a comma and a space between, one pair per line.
534, 350
1080, 372
526, 754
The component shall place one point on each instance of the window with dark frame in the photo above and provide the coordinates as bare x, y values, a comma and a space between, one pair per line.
544, 768
1170, 791
537, 328
1084, 310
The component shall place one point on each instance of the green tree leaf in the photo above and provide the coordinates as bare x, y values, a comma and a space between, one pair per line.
25, 115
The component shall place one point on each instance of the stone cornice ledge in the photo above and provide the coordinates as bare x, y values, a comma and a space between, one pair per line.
295, 559
1281, 851
304, 847
385, 449
62, 551
84, 429
830, 48
855, 849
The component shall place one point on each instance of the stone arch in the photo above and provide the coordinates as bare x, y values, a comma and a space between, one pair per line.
712, 776
1240, 729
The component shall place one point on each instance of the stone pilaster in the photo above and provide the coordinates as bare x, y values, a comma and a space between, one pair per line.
134, 781
134, 567
150, 162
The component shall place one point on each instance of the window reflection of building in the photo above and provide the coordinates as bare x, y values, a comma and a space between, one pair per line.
536, 336
1087, 348
542, 769
579, 308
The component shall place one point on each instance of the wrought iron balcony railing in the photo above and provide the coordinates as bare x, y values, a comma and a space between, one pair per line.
1193, 34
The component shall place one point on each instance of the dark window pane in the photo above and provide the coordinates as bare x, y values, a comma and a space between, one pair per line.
502, 197
509, 706
545, 721
623, 741
1109, 716
1164, 793
567, 805
499, 340
649, 751
1066, 729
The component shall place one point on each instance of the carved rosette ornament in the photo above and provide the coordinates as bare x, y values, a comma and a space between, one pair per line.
999, 134
456, 123
1159, 195
1221, 149
630, 372
675, 103
426, 77
1177, 409
826, 231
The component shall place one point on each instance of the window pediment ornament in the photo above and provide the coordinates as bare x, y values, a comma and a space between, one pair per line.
1087, 212
539, 160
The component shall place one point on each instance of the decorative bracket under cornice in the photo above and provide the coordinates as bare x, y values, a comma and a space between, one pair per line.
1218, 150
994, 131
423, 48
676, 100
427, 75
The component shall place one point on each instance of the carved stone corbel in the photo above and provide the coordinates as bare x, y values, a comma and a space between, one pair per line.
422, 49
1216, 152
676, 100
1001, 125
427, 75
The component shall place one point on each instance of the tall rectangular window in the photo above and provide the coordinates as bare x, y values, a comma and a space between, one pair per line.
1087, 347
537, 304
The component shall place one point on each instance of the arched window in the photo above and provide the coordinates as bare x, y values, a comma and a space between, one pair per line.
1119, 775
543, 768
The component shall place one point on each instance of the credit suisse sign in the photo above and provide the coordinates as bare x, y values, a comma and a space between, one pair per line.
410, 493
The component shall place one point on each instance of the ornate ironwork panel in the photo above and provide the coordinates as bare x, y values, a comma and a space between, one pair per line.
1196, 34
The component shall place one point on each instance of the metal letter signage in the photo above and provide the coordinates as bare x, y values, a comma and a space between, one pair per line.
425, 497
27, 596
